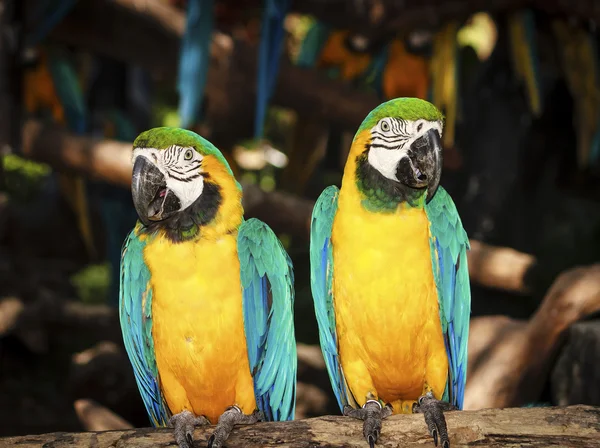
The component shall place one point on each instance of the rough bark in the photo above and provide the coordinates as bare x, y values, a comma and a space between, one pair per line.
510, 360
516, 427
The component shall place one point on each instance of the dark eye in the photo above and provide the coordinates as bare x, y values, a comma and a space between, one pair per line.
419, 127
189, 154
385, 126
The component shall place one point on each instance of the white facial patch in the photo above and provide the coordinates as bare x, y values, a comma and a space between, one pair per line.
391, 139
182, 168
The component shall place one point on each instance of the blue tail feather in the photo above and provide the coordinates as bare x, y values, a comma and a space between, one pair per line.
269, 53
194, 60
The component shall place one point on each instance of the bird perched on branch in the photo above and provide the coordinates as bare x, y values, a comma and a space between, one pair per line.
389, 274
206, 298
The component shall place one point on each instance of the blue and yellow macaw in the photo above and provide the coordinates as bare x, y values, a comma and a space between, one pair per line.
389, 274
206, 298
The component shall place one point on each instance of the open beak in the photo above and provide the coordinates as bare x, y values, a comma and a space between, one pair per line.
423, 166
152, 199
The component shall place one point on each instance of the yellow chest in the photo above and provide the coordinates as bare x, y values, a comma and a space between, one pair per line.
386, 301
198, 326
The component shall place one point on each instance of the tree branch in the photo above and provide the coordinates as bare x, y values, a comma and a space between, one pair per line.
510, 359
499, 267
532, 427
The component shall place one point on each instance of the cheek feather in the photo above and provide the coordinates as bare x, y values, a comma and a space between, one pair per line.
186, 191
385, 161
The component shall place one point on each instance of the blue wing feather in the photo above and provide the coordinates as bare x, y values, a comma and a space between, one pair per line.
268, 303
321, 278
135, 313
449, 244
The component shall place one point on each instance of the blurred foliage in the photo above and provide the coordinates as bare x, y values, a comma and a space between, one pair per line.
92, 283
23, 178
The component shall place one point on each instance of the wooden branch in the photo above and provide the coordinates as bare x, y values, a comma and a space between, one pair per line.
95, 158
499, 267
533, 427
95, 417
510, 359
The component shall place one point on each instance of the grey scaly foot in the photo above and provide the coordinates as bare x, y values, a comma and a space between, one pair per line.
184, 424
433, 410
371, 414
231, 417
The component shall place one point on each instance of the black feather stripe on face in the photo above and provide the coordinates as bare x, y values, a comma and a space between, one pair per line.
393, 139
380, 193
187, 224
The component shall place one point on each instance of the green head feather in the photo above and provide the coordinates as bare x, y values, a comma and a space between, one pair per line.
379, 193
164, 137
410, 109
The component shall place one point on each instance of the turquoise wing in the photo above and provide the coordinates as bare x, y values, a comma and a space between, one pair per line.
135, 313
321, 282
449, 244
268, 307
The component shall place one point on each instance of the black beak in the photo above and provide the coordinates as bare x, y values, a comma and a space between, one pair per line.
152, 199
423, 166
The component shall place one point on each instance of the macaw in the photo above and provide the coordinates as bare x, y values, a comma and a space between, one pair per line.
206, 298
389, 274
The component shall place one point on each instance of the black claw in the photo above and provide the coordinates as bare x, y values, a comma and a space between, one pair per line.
371, 414
231, 417
433, 411
183, 424
371, 441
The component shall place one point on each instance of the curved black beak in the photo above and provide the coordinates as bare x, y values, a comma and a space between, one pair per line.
152, 199
423, 166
